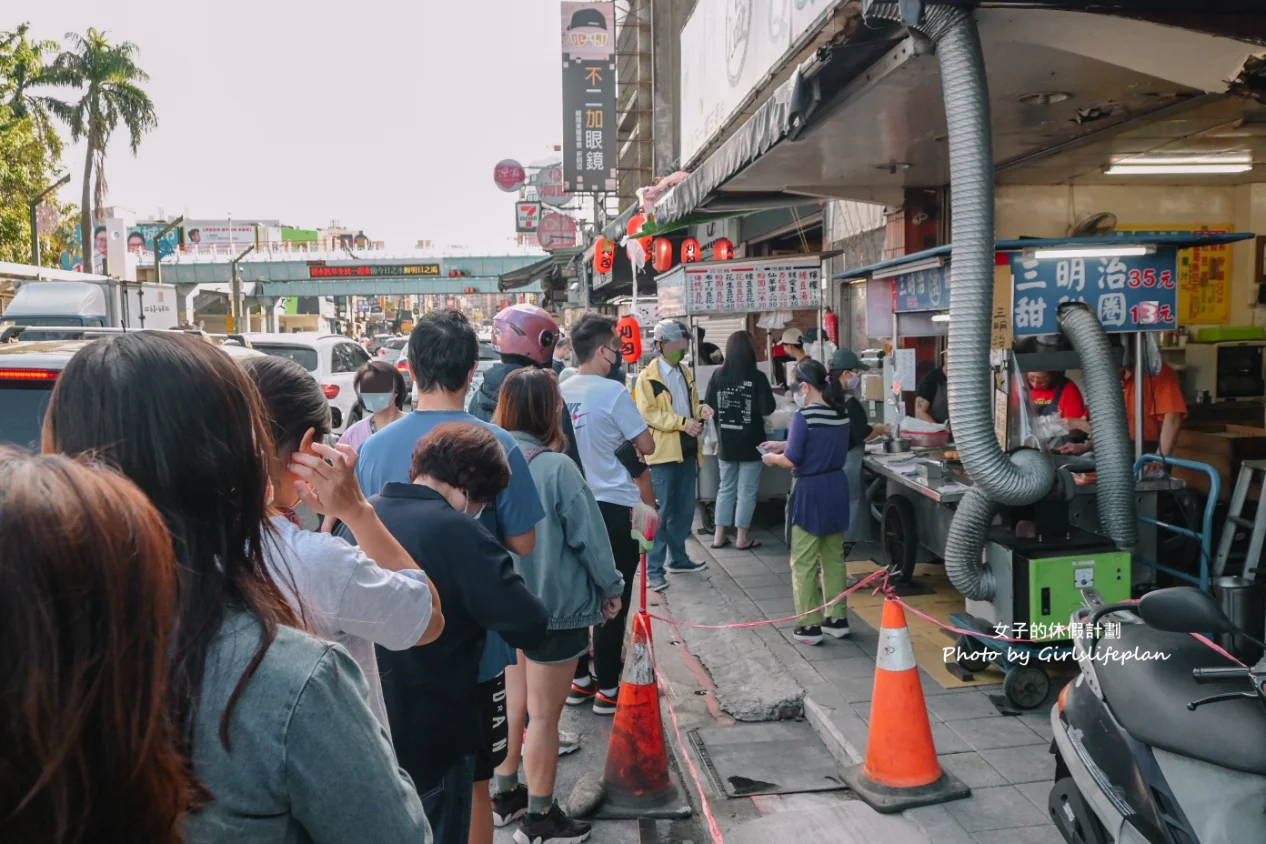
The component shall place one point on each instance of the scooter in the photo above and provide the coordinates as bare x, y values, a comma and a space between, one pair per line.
1144, 754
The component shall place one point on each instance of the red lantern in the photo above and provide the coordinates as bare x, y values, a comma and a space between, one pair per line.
603, 255
635, 225
691, 251
722, 250
662, 252
630, 334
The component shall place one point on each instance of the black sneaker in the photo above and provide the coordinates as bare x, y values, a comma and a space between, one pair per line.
811, 635
509, 806
553, 827
836, 628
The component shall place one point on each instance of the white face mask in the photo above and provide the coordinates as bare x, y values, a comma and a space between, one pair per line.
799, 398
377, 402
475, 515
852, 380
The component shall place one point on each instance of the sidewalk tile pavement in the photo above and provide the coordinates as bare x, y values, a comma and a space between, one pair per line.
1004, 758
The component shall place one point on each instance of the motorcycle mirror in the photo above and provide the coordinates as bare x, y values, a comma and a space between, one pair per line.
1184, 609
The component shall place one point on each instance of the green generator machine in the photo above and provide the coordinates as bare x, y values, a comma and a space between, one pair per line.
1040, 580
1038, 587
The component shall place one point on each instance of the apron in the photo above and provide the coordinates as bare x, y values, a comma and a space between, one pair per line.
858, 517
1051, 408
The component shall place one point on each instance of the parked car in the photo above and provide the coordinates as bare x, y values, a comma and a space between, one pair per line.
28, 371
333, 361
392, 350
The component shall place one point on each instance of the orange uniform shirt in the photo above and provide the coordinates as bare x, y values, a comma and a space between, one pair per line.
1162, 395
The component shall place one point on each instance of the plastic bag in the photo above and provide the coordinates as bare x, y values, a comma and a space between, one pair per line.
711, 440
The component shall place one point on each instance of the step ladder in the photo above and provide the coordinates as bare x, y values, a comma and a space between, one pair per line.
1235, 519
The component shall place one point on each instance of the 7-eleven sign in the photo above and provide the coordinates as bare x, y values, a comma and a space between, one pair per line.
527, 217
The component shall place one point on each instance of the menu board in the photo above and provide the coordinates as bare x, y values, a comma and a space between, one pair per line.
926, 289
1127, 293
752, 287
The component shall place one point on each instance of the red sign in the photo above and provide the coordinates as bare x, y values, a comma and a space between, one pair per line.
509, 175
557, 231
630, 334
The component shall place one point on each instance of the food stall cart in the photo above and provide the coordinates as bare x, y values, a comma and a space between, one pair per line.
1129, 281
739, 288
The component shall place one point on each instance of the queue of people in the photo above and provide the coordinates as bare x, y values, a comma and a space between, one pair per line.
383, 669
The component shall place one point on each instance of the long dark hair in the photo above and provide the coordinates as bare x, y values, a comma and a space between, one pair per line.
293, 401
86, 613
530, 402
181, 419
740, 357
814, 374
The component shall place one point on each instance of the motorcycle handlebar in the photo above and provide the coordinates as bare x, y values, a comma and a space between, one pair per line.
1213, 675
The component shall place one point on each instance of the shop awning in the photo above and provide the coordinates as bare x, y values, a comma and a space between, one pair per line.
546, 268
1185, 240
865, 120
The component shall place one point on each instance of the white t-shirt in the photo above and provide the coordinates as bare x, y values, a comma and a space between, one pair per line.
347, 598
604, 417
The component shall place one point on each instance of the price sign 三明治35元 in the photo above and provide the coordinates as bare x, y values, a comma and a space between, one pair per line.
1134, 293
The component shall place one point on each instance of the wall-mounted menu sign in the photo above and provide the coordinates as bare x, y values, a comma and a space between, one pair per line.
372, 270
753, 287
924, 289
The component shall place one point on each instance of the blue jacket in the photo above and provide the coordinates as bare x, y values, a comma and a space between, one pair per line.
571, 568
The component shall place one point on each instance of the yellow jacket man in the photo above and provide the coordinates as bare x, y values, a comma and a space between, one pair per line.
667, 399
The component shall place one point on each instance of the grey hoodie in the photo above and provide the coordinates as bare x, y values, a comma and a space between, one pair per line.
571, 568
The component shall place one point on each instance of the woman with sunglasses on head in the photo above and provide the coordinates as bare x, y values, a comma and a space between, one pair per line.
273, 722
86, 616
382, 391
817, 512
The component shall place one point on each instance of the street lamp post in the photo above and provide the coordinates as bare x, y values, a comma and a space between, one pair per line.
235, 290
158, 262
35, 223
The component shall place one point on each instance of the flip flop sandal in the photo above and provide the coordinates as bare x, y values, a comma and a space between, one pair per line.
755, 543
724, 544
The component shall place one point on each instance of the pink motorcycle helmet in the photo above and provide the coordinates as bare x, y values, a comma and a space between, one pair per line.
527, 331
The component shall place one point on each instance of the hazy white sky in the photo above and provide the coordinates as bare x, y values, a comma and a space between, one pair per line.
386, 115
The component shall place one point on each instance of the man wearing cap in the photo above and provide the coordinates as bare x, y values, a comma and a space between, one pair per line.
931, 397
666, 398
846, 369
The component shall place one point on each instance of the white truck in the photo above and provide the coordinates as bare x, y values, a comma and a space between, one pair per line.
58, 297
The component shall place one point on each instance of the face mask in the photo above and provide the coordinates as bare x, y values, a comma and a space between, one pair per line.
475, 515
851, 382
616, 373
799, 398
675, 357
377, 402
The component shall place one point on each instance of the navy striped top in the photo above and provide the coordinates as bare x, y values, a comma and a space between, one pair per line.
817, 444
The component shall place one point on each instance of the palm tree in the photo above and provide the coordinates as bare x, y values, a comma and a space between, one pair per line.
107, 75
22, 68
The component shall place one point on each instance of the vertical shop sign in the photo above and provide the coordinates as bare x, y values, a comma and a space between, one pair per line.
589, 131
1001, 322
1204, 273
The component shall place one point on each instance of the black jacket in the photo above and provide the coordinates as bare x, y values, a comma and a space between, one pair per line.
484, 405
430, 690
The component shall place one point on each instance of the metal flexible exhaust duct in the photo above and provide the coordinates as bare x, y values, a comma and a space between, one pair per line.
1114, 459
1026, 476
953, 34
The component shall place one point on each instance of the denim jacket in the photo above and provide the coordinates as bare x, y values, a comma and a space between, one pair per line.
571, 568
309, 761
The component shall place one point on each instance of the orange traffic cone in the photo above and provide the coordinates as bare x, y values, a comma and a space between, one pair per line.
637, 783
901, 770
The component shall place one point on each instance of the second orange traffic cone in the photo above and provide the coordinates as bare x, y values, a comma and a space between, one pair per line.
637, 782
901, 770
